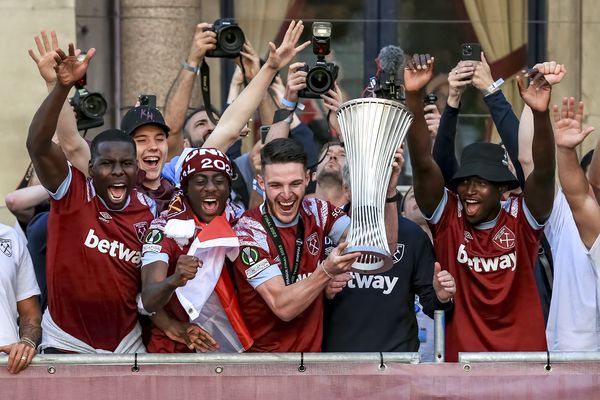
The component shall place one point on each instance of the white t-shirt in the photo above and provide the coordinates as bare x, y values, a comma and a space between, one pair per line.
594, 256
17, 281
572, 320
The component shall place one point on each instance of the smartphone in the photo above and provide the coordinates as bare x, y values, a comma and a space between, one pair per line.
264, 130
147, 100
470, 51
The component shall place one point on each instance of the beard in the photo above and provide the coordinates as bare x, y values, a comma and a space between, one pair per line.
329, 177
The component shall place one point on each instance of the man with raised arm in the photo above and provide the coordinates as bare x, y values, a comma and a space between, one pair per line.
95, 230
170, 267
569, 133
488, 246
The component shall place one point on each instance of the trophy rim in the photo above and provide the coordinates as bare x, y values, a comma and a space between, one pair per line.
385, 256
393, 103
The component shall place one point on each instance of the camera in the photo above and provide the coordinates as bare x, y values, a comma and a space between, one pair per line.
89, 107
230, 39
321, 76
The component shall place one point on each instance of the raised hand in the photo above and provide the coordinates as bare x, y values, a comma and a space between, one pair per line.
250, 60
459, 78
482, 76
418, 72
443, 284
45, 60
332, 100
185, 270
397, 164
568, 132
69, 69
535, 94
553, 72
296, 81
203, 41
432, 119
282, 55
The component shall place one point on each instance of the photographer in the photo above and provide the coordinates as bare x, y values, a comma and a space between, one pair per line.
180, 93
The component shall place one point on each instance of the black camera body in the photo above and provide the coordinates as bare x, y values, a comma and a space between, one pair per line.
320, 77
230, 39
89, 107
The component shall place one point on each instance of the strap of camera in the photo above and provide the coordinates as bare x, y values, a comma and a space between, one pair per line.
205, 86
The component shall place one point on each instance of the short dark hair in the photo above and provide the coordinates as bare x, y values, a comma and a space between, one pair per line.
110, 135
281, 151
327, 145
586, 160
200, 109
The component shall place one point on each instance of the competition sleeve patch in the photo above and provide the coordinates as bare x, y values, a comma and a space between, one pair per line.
257, 268
249, 256
154, 236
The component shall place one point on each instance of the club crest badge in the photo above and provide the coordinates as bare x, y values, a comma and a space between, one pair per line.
312, 244
505, 238
6, 247
140, 230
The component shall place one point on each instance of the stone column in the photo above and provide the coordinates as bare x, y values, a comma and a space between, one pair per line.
156, 37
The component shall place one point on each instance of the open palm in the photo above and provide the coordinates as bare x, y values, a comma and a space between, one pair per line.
282, 55
568, 132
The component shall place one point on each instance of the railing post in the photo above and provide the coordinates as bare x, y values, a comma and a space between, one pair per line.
439, 338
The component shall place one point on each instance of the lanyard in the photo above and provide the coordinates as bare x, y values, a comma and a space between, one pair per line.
288, 276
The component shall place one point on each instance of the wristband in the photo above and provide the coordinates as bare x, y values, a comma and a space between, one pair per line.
493, 88
288, 104
190, 68
392, 199
324, 270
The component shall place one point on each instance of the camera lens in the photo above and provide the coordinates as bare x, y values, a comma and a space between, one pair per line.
231, 39
93, 105
319, 80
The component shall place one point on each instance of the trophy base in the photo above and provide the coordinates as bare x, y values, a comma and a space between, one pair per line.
373, 260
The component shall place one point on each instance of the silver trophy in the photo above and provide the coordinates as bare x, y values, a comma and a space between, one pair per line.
373, 129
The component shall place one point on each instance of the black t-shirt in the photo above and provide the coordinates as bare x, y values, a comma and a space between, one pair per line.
376, 312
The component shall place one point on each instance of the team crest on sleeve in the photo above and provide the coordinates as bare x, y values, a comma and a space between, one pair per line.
505, 238
399, 252
249, 256
6, 247
140, 229
176, 207
312, 244
154, 236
